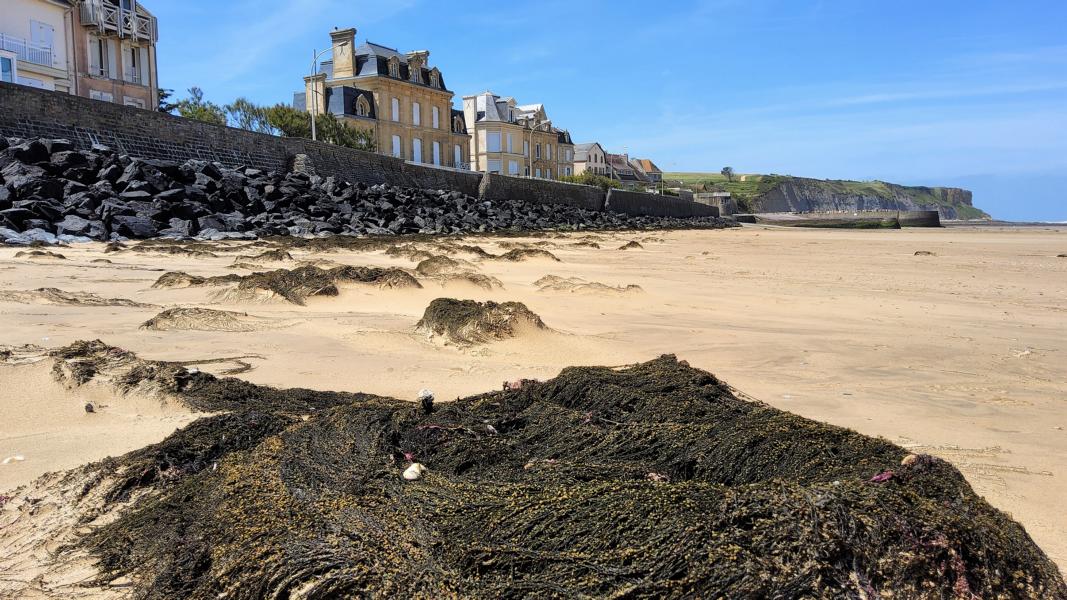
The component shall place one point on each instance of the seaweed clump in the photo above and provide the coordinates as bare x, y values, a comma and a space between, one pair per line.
201, 319
181, 279
299, 284
646, 482
521, 254
467, 322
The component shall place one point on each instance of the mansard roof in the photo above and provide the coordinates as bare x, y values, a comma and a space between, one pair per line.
372, 60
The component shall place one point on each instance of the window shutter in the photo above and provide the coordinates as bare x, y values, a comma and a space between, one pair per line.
146, 72
94, 56
111, 58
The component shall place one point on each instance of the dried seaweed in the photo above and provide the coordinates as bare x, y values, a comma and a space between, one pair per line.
648, 482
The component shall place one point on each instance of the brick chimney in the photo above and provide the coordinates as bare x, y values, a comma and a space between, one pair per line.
344, 45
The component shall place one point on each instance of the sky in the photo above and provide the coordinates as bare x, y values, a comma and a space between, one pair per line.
969, 93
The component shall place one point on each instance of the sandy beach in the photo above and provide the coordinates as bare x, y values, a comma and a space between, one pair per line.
958, 351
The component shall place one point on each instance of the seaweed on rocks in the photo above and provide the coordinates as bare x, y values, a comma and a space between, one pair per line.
644, 482
467, 322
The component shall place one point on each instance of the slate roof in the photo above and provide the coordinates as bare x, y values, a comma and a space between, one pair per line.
372, 60
648, 166
581, 152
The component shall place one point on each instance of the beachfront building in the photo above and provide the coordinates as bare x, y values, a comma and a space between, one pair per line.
35, 44
649, 169
400, 98
115, 52
622, 169
518, 140
590, 157
100, 49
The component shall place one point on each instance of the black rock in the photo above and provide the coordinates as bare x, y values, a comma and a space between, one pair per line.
134, 226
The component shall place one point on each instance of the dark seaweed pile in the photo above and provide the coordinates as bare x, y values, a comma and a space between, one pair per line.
647, 482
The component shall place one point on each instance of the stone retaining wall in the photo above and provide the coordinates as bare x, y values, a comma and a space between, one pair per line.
638, 203
544, 191
31, 113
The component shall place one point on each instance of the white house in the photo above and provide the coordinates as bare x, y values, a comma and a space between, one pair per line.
35, 43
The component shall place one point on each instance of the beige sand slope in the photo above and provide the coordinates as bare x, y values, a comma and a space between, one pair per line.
961, 354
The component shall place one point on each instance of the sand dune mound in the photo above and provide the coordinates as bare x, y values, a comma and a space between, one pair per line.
593, 245
40, 255
577, 285
442, 265
203, 319
523, 254
467, 322
648, 481
57, 297
632, 245
181, 279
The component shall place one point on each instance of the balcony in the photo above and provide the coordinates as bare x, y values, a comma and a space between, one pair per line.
26, 51
110, 18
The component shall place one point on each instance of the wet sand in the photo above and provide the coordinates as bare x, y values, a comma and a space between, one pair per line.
960, 354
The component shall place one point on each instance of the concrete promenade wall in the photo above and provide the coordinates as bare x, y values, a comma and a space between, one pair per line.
31, 113
544, 191
640, 204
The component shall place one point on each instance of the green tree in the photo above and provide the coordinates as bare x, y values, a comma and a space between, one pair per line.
163, 103
728, 173
292, 122
195, 107
242, 113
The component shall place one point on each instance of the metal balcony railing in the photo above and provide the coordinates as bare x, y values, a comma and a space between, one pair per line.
111, 18
26, 51
133, 76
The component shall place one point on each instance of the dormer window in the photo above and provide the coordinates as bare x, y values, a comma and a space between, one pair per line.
394, 68
457, 125
435, 79
416, 74
362, 107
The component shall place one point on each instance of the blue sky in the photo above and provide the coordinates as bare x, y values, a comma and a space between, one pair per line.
952, 92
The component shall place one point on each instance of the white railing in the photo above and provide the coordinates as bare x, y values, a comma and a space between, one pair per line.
108, 17
26, 51
133, 76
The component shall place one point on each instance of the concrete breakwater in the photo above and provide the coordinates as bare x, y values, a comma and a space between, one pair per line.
892, 219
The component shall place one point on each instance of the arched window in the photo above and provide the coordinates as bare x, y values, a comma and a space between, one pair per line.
394, 67
362, 107
457, 125
435, 78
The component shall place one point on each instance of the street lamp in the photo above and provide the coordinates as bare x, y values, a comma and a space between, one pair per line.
315, 92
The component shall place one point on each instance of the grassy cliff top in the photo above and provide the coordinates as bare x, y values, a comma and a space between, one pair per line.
747, 187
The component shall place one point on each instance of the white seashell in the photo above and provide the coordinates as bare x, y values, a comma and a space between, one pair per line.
414, 471
12, 459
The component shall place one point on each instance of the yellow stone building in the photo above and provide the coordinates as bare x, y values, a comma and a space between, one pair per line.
399, 97
518, 140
